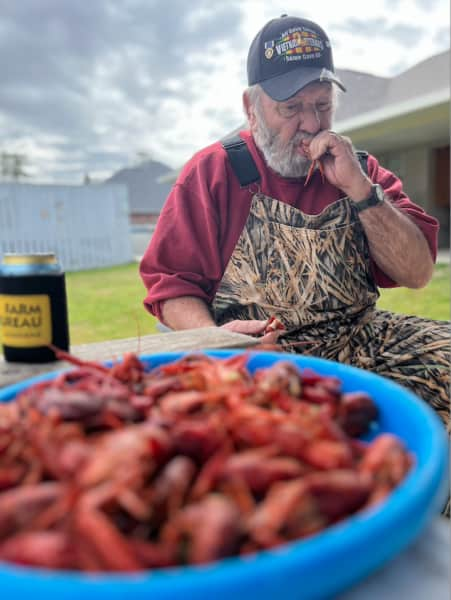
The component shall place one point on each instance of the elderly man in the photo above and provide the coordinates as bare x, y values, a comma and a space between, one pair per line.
245, 234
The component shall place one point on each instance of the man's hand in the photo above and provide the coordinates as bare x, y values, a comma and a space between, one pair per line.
190, 312
255, 328
389, 232
340, 164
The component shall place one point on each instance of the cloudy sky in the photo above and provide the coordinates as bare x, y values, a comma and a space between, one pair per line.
86, 86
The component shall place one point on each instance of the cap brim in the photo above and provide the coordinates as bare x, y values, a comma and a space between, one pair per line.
285, 86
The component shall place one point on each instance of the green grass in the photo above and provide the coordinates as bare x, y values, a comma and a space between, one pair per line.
106, 304
433, 301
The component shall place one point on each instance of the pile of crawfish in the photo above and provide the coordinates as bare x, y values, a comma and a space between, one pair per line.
119, 469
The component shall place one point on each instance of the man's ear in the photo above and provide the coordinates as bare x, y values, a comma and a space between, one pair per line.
249, 110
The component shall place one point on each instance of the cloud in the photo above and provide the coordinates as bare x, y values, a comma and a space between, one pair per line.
86, 85
442, 37
90, 72
426, 5
383, 28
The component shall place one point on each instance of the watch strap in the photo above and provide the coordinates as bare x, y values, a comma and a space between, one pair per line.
375, 198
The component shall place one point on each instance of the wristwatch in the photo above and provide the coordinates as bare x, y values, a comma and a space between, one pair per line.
375, 198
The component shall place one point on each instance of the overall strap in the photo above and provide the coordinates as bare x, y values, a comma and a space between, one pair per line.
241, 161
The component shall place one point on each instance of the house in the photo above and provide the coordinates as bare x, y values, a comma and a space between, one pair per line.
404, 122
146, 193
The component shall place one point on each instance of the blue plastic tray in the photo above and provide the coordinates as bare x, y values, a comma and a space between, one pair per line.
318, 567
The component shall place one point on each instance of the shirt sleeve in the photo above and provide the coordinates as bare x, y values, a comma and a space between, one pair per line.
393, 189
183, 257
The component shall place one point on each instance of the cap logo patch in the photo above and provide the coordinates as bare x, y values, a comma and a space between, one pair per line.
297, 43
269, 49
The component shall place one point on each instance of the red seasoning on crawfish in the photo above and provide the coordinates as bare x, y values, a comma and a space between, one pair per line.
274, 324
120, 469
315, 164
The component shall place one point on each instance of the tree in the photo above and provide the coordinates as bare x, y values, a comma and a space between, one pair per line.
12, 166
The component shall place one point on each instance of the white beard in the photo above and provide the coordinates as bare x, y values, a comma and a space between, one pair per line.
282, 158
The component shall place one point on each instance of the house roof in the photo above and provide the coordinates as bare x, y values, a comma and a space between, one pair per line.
411, 108
428, 76
366, 92
363, 93
146, 192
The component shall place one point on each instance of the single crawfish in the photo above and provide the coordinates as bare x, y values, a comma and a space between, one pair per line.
204, 531
387, 462
314, 164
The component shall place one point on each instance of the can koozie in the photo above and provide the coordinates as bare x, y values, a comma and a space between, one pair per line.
33, 307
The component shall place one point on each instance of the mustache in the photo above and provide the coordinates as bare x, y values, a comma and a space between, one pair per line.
301, 137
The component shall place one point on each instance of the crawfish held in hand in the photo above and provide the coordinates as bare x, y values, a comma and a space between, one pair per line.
316, 164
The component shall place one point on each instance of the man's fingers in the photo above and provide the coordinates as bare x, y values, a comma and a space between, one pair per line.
257, 328
328, 141
271, 337
251, 327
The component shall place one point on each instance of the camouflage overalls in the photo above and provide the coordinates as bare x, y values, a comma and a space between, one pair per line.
313, 273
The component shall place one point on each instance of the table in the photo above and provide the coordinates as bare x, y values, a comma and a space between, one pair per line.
194, 339
419, 573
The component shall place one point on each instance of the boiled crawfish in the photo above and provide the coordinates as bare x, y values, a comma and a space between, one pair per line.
119, 469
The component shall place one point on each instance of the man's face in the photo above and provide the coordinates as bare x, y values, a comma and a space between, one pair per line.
280, 127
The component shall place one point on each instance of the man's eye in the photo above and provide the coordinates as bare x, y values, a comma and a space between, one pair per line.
323, 107
289, 110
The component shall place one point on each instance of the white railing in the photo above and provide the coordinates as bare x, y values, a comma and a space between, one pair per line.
86, 226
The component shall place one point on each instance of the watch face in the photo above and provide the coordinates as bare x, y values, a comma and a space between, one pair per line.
379, 193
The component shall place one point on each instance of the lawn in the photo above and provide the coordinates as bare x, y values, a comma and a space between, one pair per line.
107, 303
433, 301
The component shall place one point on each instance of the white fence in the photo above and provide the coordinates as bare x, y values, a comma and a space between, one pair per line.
86, 226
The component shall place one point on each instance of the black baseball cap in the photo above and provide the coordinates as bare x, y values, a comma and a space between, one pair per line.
287, 54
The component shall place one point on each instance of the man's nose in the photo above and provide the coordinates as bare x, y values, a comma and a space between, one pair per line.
309, 120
